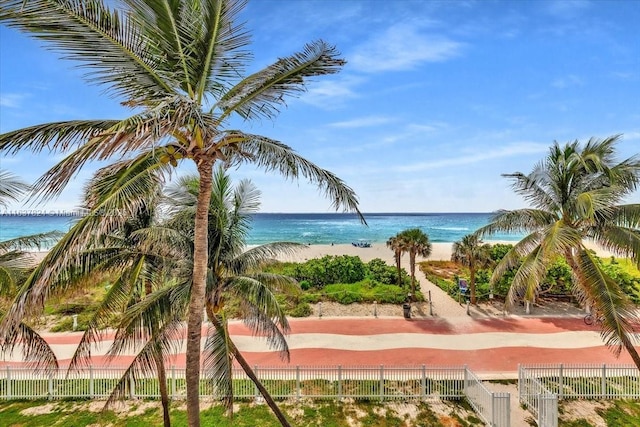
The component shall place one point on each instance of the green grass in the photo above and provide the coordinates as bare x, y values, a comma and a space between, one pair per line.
326, 414
621, 413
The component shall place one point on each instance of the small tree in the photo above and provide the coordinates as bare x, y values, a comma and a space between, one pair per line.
472, 253
416, 242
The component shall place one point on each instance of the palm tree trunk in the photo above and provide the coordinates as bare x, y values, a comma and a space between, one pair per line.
250, 373
164, 393
398, 257
412, 265
196, 301
472, 284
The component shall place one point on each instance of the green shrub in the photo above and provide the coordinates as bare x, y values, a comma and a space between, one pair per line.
319, 272
302, 309
367, 291
380, 271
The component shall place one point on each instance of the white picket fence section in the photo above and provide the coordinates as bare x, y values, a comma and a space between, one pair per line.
541, 386
493, 408
295, 382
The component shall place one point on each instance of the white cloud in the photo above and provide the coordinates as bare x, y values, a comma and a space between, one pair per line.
368, 121
11, 100
329, 94
567, 81
511, 150
402, 47
567, 8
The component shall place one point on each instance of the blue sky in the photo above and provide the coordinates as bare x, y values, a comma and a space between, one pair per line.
436, 101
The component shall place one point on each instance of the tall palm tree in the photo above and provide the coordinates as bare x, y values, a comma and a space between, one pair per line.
577, 193
472, 253
233, 274
179, 66
415, 242
395, 244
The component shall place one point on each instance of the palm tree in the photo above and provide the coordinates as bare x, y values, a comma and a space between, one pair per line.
472, 253
15, 264
415, 242
395, 244
178, 65
576, 193
233, 274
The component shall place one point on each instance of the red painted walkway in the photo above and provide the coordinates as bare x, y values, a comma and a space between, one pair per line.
485, 345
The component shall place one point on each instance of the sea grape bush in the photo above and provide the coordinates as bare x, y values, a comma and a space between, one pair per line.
320, 272
558, 281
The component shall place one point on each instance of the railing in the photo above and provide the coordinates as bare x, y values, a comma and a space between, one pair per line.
493, 408
331, 382
315, 382
542, 403
540, 386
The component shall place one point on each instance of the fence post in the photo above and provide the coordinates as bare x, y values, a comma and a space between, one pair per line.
423, 383
173, 382
51, 386
255, 387
132, 385
91, 385
298, 391
604, 380
466, 380
381, 383
9, 391
493, 409
561, 380
339, 382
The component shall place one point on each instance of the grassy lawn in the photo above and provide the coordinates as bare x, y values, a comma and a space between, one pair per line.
613, 413
326, 414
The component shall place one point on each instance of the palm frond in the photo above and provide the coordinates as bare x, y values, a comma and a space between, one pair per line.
11, 188
257, 256
528, 277
261, 94
623, 241
516, 221
108, 214
161, 345
53, 137
217, 361
36, 352
264, 316
219, 46
275, 156
111, 43
33, 241
112, 303
534, 188
610, 302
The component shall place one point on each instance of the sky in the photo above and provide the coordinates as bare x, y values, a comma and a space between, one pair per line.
436, 101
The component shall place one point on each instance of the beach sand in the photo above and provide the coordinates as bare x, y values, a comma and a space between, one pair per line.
439, 252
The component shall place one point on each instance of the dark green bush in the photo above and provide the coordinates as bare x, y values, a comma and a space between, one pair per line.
302, 309
319, 272
380, 271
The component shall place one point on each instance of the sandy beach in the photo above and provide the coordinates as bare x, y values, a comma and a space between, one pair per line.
439, 251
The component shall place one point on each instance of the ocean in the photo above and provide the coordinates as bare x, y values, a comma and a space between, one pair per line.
318, 228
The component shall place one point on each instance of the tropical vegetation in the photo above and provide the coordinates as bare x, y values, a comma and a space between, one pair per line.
577, 193
180, 67
472, 253
414, 242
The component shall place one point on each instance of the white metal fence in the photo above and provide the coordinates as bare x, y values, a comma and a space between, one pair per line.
315, 382
541, 386
493, 408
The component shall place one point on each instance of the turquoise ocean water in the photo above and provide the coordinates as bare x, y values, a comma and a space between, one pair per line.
324, 228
